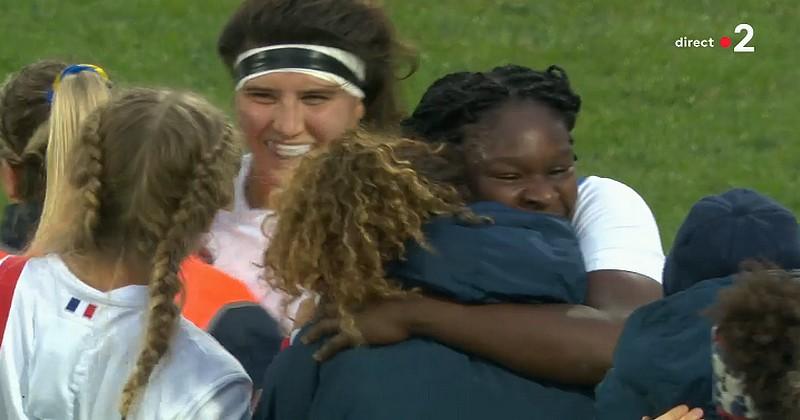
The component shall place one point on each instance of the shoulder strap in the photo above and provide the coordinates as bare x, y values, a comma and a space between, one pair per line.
10, 270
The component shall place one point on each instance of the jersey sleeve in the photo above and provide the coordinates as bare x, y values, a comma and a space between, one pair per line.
230, 399
617, 230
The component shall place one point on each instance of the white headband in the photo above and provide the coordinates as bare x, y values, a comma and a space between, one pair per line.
349, 61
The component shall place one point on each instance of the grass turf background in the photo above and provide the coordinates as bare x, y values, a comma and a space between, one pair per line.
674, 123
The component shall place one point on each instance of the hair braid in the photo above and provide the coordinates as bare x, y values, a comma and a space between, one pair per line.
550, 87
6, 147
197, 206
459, 99
24, 112
162, 317
28, 152
87, 179
450, 103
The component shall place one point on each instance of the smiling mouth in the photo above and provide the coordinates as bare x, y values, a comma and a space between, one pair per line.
289, 151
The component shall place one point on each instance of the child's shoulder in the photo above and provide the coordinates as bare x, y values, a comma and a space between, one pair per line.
40, 277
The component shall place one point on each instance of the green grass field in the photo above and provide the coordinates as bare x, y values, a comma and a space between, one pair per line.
676, 124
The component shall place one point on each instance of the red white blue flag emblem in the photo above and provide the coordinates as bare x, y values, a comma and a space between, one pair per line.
77, 306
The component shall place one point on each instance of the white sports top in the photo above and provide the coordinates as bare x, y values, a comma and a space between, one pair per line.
68, 349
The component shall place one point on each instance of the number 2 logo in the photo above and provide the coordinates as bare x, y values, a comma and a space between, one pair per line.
749, 33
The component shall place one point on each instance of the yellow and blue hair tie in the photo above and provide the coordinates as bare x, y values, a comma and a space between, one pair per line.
74, 69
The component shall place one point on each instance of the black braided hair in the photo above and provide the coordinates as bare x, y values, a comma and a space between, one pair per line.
462, 98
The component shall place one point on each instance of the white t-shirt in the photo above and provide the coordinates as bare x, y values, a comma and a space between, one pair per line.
616, 229
237, 241
68, 349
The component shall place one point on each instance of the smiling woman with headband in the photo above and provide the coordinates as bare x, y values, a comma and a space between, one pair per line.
305, 72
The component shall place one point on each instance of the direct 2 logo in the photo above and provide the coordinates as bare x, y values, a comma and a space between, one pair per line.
724, 42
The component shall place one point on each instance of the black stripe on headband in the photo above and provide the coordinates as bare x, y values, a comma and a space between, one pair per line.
294, 58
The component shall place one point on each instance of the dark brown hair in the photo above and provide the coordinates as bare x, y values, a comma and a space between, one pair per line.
24, 110
758, 322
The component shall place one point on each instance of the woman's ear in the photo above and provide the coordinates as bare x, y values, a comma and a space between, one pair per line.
9, 177
360, 111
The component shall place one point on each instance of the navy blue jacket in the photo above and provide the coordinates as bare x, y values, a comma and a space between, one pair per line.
520, 257
663, 357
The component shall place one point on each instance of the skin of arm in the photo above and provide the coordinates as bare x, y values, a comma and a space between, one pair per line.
571, 344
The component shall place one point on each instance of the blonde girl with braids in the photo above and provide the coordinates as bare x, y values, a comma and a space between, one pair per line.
92, 329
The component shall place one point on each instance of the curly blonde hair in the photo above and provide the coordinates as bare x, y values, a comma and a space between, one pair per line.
354, 206
149, 171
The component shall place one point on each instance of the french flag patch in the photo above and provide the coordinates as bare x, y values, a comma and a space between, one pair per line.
76, 306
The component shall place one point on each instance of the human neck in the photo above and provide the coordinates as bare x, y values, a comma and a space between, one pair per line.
256, 189
106, 273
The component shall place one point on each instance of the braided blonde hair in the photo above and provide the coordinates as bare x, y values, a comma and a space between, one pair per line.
150, 170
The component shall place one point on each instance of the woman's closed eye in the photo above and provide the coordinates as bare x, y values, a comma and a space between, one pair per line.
263, 97
506, 176
561, 170
315, 98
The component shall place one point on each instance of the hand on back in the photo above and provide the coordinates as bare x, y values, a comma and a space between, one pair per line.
380, 323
